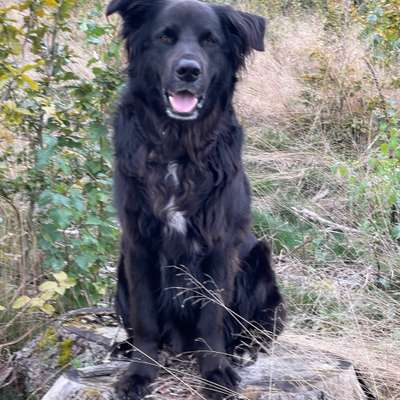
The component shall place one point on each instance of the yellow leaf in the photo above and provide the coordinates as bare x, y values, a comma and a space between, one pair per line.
68, 284
47, 295
60, 276
48, 309
21, 7
2, 308
11, 69
50, 3
21, 302
102, 291
48, 286
60, 290
27, 67
37, 302
23, 111
32, 84
50, 110
9, 105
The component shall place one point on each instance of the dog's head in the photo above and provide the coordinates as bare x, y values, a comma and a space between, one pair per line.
184, 54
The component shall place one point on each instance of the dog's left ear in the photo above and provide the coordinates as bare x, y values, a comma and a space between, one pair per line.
246, 31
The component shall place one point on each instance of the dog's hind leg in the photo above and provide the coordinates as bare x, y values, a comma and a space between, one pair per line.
258, 311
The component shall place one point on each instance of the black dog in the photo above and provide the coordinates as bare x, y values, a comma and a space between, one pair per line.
191, 273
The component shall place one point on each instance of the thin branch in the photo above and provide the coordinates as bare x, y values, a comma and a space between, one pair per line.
312, 216
20, 339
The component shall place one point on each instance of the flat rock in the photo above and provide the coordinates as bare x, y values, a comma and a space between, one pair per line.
83, 339
285, 374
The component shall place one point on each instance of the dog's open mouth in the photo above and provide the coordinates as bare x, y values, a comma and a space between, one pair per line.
183, 105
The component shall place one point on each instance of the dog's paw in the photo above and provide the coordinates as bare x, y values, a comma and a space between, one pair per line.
132, 387
221, 383
245, 353
244, 358
123, 349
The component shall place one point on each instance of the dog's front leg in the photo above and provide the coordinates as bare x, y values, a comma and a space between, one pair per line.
141, 273
214, 366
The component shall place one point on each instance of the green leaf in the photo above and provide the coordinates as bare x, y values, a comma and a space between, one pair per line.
63, 165
62, 217
384, 149
97, 130
85, 260
94, 220
76, 201
51, 233
396, 232
43, 156
88, 239
44, 198
69, 76
56, 263
49, 140
342, 170
60, 200
392, 198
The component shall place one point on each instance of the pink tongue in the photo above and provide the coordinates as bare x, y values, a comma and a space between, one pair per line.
183, 102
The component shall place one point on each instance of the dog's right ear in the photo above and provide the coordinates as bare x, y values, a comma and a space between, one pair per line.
113, 7
135, 13
133, 8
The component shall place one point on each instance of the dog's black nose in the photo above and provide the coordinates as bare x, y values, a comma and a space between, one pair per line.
188, 70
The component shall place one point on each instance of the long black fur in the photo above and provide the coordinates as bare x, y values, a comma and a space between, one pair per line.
177, 279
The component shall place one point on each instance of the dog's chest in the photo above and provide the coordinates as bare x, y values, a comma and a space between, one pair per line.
175, 216
171, 191
167, 186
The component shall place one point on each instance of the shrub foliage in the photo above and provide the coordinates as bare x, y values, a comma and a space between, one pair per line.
55, 149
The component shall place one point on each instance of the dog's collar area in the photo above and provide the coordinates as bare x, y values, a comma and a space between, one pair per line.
183, 105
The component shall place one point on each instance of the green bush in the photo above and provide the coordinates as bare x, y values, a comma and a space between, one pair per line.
57, 158
381, 19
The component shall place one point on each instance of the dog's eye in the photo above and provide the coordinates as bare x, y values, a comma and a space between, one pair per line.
209, 39
166, 38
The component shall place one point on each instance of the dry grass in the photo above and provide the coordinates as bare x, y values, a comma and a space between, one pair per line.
314, 80
307, 105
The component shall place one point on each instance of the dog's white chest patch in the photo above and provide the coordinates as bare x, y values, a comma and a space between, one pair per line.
175, 219
172, 172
